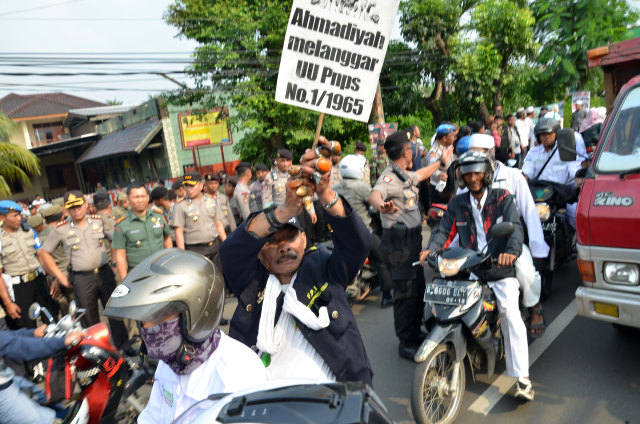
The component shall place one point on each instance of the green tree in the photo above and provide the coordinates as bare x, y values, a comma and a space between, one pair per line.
567, 29
17, 164
236, 63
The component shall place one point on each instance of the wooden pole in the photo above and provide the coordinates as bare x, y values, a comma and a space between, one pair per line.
318, 130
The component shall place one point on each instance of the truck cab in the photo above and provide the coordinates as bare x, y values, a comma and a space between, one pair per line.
608, 217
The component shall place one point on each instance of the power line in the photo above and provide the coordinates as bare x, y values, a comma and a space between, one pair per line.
39, 7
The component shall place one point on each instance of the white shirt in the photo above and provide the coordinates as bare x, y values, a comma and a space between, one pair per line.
532, 135
477, 219
523, 132
556, 170
231, 367
512, 180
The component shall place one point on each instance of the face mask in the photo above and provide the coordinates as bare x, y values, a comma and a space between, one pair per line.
162, 340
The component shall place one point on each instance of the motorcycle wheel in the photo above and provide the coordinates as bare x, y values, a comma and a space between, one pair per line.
433, 400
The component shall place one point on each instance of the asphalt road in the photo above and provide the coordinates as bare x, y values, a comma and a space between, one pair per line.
589, 373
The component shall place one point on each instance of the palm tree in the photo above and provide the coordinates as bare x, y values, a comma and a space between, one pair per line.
17, 164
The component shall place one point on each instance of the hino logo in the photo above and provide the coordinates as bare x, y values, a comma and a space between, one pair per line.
608, 198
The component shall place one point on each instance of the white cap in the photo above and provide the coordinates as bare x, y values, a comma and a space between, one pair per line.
482, 141
530, 109
578, 102
520, 109
352, 166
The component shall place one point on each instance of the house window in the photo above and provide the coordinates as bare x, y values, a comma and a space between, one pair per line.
47, 133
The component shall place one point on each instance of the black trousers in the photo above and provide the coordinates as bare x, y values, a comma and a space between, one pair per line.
88, 288
26, 293
208, 251
401, 247
379, 264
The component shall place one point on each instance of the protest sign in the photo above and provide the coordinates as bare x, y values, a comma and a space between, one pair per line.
333, 53
583, 96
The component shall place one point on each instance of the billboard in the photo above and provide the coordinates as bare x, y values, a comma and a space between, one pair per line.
204, 129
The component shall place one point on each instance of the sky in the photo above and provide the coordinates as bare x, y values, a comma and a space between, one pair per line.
34, 31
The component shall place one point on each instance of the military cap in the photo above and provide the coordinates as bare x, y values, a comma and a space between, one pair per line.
177, 184
445, 129
35, 220
51, 210
285, 154
261, 167
101, 200
159, 193
73, 198
58, 201
361, 146
191, 178
7, 206
232, 180
212, 176
122, 196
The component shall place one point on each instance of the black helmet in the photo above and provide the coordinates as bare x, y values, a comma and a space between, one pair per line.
172, 282
546, 126
474, 161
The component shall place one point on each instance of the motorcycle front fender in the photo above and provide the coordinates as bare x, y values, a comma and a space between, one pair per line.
443, 333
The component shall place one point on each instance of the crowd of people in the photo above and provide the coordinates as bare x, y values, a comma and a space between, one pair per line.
265, 246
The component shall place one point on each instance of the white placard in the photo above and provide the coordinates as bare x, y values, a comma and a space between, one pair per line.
333, 54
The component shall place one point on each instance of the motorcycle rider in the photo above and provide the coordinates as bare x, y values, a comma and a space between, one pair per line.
473, 215
512, 180
177, 298
545, 160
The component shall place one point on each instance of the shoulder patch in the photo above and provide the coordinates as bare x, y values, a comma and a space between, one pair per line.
60, 223
181, 200
156, 210
96, 217
387, 179
119, 220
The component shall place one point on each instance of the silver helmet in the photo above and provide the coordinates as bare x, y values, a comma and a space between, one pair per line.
474, 161
172, 282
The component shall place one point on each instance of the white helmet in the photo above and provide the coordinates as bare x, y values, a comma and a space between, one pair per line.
352, 166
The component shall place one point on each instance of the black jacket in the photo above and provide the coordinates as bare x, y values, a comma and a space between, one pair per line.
498, 207
321, 281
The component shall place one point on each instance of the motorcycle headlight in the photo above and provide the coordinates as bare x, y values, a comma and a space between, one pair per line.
450, 267
544, 211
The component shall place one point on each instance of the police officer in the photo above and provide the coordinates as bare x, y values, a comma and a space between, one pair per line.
212, 183
160, 198
198, 220
229, 191
379, 161
90, 274
361, 149
441, 187
255, 198
122, 207
52, 215
140, 233
102, 202
395, 195
335, 176
179, 189
241, 195
24, 280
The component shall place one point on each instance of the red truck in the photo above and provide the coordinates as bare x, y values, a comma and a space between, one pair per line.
608, 215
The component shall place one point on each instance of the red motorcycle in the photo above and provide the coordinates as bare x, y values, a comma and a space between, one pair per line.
103, 373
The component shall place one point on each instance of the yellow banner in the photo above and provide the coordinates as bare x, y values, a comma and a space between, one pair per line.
204, 129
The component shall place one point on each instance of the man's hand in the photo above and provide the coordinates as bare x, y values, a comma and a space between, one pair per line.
389, 207
423, 256
64, 281
506, 259
446, 154
442, 176
39, 332
314, 218
54, 290
73, 338
13, 310
292, 205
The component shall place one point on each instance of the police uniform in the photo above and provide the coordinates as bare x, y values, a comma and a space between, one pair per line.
226, 214
432, 157
140, 236
118, 211
65, 294
20, 264
274, 188
90, 272
241, 197
198, 220
401, 243
255, 196
334, 177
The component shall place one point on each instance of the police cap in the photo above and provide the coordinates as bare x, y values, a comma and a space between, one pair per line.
261, 167
285, 154
232, 180
35, 220
7, 206
212, 176
192, 178
177, 184
51, 211
73, 198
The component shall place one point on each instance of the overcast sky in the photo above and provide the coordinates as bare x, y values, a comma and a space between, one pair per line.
31, 30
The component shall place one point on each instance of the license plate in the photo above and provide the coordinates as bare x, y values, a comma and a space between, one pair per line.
437, 293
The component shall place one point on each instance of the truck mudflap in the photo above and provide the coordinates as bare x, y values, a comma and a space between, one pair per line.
607, 305
447, 333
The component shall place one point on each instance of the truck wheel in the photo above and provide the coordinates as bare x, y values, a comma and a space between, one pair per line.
433, 399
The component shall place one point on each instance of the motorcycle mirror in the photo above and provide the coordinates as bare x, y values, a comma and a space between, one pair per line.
566, 140
73, 308
502, 230
34, 310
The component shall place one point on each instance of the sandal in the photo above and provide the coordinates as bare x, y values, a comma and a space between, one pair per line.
540, 326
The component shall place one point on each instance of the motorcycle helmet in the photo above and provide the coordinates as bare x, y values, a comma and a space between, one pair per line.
172, 282
546, 126
474, 161
352, 166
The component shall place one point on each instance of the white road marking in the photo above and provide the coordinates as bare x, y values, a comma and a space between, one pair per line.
485, 403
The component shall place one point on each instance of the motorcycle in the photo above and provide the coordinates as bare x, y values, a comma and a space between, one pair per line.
436, 212
551, 200
105, 376
292, 402
462, 318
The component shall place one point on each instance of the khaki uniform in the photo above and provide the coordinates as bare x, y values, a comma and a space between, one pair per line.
60, 258
356, 192
432, 157
118, 212
140, 236
404, 195
226, 216
91, 275
274, 188
255, 198
367, 173
335, 176
241, 198
21, 267
109, 228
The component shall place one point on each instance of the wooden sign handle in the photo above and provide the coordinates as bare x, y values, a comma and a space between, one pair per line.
318, 130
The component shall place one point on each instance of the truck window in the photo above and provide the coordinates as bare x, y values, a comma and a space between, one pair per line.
622, 149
